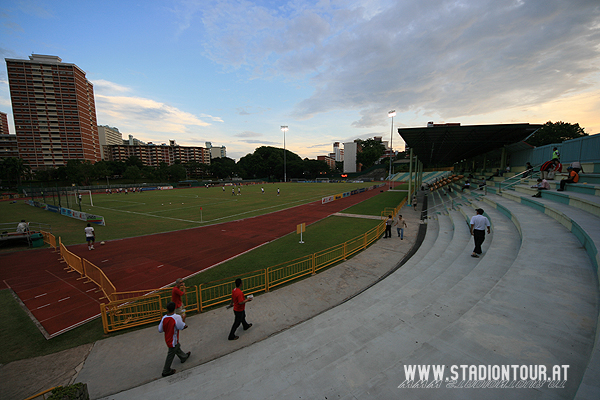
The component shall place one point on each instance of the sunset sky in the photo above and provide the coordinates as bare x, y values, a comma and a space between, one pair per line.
232, 72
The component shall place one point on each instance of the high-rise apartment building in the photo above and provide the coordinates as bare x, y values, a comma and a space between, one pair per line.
8, 143
153, 155
54, 111
3, 123
107, 135
216, 152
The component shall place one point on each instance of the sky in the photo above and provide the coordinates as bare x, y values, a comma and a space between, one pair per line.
232, 72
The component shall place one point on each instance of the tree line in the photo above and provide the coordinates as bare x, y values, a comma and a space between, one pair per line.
265, 163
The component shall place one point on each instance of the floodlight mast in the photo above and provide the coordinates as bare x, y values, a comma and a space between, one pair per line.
284, 129
391, 113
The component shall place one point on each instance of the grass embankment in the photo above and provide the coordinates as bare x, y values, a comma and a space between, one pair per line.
318, 236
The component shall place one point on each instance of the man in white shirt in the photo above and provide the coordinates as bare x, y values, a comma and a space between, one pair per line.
478, 225
90, 236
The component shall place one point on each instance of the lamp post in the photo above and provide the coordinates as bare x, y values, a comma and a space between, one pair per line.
284, 129
391, 113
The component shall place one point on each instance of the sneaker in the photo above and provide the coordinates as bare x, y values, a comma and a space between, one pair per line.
92, 248
234, 338
188, 356
171, 372
249, 326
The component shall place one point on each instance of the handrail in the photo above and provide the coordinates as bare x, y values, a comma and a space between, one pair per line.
441, 204
531, 174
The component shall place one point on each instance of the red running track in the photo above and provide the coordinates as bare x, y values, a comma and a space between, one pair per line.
59, 301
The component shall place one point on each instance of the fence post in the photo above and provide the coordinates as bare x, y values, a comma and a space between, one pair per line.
314, 263
199, 294
104, 319
200, 297
267, 279
198, 300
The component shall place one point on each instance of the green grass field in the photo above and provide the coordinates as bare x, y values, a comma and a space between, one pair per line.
137, 214
318, 236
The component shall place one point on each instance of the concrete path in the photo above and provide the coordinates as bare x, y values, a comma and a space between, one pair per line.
126, 361
540, 310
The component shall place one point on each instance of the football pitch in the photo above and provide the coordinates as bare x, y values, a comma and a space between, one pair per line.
137, 214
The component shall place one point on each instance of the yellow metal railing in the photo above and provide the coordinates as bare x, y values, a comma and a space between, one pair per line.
49, 239
134, 308
131, 312
96, 275
73, 261
42, 395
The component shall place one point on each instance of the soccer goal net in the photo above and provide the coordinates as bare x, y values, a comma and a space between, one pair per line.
79, 197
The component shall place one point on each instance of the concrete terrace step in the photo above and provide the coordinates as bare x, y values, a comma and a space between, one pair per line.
586, 202
586, 227
538, 309
566, 287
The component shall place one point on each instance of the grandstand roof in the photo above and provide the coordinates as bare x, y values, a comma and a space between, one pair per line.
443, 145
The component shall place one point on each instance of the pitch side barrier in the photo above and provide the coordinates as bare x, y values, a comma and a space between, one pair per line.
338, 196
135, 308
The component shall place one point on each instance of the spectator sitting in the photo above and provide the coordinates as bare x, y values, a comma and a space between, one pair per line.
542, 184
573, 178
467, 185
482, 184
22, 227
528, 169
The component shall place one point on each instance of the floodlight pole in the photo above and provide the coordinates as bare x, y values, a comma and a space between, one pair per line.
391, 113
284, 129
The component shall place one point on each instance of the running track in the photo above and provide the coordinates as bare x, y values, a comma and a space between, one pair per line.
60, 301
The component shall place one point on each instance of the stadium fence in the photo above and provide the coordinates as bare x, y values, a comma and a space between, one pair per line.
135, 308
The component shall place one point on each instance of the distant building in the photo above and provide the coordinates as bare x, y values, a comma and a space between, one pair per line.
3, 123
54, 111
351, 149
338, 154
108, 135
8, 142
330, 161
131, 141
216, 152
153, 155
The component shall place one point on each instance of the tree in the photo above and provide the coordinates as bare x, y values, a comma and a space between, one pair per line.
133, 172
556, 132
371, 151
14, 169
177, 172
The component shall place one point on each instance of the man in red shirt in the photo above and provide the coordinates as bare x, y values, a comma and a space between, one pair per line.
239, 307
171, 324
178, 291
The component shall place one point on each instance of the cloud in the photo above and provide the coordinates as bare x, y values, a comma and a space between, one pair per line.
101, 85
248, 134
441, 57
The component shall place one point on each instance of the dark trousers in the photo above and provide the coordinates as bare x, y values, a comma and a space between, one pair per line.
479, 237
240, 318
564, 182
388, 231
174, 351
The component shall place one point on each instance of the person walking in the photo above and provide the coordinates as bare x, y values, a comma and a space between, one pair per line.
90, 236
176, 294
239, 309
478, 225
388, 227
170, 325
400, 225
414, 202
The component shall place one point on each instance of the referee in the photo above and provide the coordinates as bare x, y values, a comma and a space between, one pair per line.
478, 225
